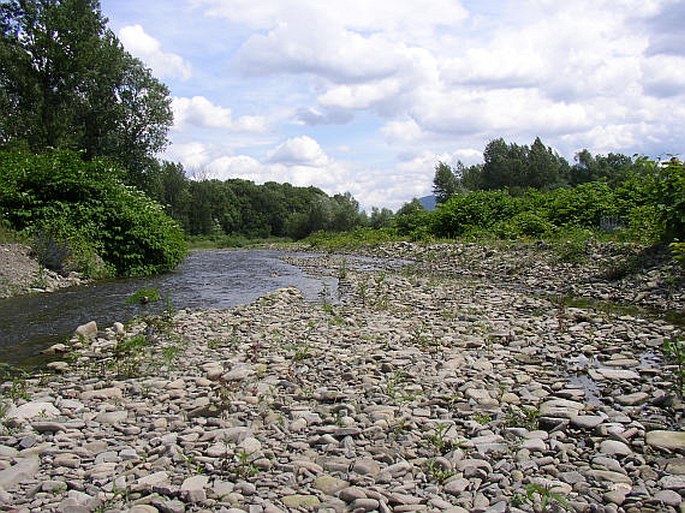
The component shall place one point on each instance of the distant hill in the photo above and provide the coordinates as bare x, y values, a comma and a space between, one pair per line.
428, 202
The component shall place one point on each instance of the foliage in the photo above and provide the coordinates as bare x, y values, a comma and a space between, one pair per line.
84, 211
678, 251
674, 350
480, 209
144, 296
359, 237
67, 82
445, 183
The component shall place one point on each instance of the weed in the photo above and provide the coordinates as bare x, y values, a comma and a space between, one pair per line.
437, 472
543, 498
528, 418
243, 467
438, 440
144, 296
674, 350
302, 353
342, 270
482, 418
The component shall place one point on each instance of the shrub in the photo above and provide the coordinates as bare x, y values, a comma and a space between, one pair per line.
480, 209
79, 211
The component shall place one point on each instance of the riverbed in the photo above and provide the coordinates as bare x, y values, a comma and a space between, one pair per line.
217, 279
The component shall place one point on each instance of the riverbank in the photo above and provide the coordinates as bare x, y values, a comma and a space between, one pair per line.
434, 387
21, 273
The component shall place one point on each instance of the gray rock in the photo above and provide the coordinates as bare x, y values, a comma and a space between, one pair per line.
88, 330
31, 410
22, 471
673, 440
615, 448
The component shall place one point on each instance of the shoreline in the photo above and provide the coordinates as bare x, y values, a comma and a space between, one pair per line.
426, 388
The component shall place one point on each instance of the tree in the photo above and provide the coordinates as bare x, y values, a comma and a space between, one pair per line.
445, 183
66, 82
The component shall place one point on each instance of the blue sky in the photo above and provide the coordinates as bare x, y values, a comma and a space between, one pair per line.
367, 95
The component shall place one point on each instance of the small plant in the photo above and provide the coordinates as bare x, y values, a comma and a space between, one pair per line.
543, 498
439, 441
674, 350
482, 418
342, 270
144, 296
302, 353
243, 467
528, 418
437, 473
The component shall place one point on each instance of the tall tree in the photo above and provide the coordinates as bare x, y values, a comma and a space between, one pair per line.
445, 183
67, 82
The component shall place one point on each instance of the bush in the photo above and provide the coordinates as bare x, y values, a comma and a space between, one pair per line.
524, 224
79, 211
481, 209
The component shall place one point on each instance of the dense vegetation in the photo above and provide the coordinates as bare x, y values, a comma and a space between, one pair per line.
82, 216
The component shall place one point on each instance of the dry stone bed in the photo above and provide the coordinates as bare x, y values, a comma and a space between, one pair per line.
412, 392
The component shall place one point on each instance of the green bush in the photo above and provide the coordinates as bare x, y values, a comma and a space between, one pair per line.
585, 205
79, 212
480, 209
524, 224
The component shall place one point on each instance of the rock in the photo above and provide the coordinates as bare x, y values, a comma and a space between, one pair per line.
587, 421
300, 501
672, 482
102, 393
457, 486
609, 476
193, 488
351, 494
560, 408
613, 374
88, 330
669, 497
673, 440
58, 366
615, 448
366, 467
31, 410
632, 399
330, 485
23, 470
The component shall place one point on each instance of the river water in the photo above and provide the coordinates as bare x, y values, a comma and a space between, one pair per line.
206, 279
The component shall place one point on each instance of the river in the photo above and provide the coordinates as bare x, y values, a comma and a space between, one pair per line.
217, 279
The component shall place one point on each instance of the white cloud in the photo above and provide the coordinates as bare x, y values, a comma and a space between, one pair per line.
198, 111
401, 84
149, 50
301, 151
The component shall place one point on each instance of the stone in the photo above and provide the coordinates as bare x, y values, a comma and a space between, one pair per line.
300, 501
560, 408
330, 485
102, 393
193, 488
614, 448
672, 482
608, 475
366, 467
669, 497
31, 410
632, 399
456, 486
58, 366
143, 508
672, 440
351, 494
587, 421
23, 470
88, 330
602, 374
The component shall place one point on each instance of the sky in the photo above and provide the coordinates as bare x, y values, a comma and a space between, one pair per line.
367, 96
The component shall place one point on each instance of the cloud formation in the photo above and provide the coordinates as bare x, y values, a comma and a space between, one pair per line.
403, 84
149, 50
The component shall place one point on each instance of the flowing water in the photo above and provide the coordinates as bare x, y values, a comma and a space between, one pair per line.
207, 279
